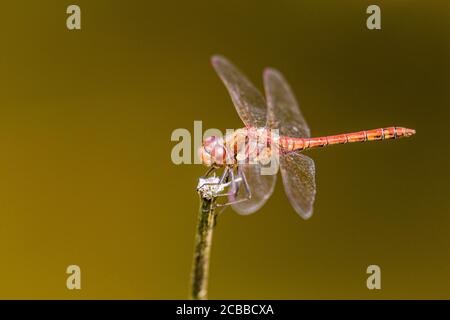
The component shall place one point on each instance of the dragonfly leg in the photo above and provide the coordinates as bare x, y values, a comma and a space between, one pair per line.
236, 183
205, 177
241, 177
225, 175
246, 186
212, 187
229, 203
210, 170
228, 179
232, 181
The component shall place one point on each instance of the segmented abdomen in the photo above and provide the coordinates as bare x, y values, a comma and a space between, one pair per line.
292, 144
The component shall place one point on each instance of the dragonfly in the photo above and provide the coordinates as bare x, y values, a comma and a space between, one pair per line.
242, 183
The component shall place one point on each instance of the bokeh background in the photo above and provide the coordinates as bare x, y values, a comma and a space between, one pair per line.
86, 176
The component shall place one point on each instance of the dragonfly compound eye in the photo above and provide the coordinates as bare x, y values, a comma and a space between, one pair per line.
213, 151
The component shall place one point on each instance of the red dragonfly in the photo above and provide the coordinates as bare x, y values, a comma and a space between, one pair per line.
279, 112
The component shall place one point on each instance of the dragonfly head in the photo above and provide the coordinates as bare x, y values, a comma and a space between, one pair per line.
213, 152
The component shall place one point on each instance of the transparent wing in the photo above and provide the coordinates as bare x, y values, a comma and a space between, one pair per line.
261, 187
298, 173
283, 112
249, 102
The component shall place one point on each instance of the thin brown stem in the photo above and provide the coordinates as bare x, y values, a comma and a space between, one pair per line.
203, 241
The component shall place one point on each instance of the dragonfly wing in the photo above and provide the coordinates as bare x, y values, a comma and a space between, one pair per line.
283, 111
249, 102
298, 172
261, 187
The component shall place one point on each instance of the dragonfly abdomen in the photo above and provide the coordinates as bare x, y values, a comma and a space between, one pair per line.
295, 144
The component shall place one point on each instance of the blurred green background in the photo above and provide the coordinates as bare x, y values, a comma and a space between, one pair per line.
86, 176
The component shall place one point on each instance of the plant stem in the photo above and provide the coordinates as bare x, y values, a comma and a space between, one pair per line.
203, 241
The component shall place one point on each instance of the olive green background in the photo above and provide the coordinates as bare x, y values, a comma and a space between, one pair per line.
86, 176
